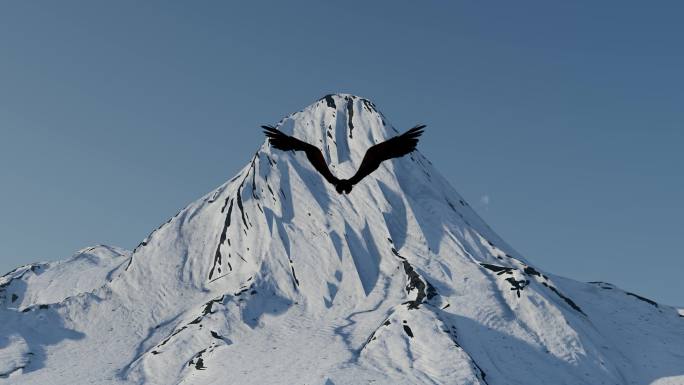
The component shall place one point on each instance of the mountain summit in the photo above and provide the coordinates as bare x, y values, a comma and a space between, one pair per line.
275, 278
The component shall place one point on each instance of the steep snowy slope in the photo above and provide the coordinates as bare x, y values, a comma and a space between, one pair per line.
274, 278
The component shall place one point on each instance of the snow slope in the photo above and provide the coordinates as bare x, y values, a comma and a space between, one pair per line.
274, 278
51, 282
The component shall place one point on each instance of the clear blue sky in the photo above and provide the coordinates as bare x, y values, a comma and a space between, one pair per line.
561, 122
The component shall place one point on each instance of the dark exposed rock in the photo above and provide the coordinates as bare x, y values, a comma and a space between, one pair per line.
531, 271
567, 300
499, 270
408, 330
330, 101
217, 254
350, 115
414, 282
294, 277
517, 285
654, 303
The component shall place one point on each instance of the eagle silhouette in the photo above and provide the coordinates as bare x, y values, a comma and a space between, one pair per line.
395, 147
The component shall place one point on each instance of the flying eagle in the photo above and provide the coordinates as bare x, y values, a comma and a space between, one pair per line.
395, 147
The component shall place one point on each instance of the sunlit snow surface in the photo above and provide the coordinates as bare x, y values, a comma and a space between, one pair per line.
274, 278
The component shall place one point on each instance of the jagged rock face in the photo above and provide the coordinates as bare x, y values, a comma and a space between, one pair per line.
274, 278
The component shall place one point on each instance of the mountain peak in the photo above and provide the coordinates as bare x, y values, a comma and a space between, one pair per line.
343, 126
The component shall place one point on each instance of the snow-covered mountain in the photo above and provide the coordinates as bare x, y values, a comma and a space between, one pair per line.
275, 278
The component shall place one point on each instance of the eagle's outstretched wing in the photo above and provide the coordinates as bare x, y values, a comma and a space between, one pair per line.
395, 147
285, 142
